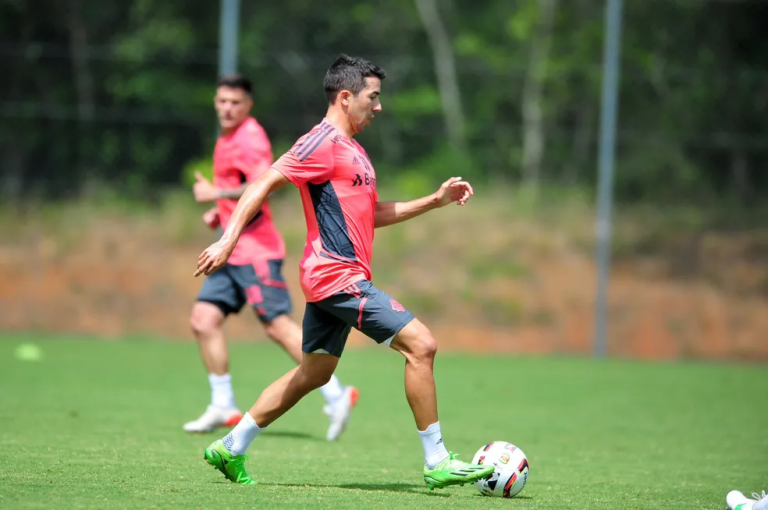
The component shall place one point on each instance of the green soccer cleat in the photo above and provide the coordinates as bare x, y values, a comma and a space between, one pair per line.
454, 472
233, 466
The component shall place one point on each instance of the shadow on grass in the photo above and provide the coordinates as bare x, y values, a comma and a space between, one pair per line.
516, 497
378, 487
373, 487
289, 435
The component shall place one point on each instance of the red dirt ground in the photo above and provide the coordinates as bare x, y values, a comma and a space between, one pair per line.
119, 282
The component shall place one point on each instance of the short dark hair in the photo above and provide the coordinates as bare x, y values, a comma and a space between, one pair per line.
349, 73
235, 81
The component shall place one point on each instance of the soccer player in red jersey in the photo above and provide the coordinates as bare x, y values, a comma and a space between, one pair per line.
337, 183
253, 273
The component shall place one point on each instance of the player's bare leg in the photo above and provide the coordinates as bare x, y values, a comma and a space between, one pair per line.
285, 332
339, 399
441, 468
228, 454
416, 344
206, 322
314, 371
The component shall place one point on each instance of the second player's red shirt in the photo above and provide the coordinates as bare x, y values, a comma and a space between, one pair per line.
239, 157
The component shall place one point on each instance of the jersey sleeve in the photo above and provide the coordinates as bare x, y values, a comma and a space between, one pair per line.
307, 163
255, 154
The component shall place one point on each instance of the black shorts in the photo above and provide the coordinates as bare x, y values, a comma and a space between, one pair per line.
362, 306
231, 287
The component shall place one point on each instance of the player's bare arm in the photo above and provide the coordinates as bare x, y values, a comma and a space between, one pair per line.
232, 194
216, 255
452, 190
205, 191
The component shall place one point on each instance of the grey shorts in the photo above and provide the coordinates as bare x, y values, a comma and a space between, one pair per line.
263, 287
362, 306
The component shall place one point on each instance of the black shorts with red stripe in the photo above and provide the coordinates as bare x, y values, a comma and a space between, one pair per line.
362, 306
232, 286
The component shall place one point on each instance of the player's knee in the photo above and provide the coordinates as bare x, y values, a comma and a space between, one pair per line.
426, 347
321, 379
317, 372
203, 323
418, 345
314, 379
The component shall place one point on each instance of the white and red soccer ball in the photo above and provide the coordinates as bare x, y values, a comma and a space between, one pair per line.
511, 472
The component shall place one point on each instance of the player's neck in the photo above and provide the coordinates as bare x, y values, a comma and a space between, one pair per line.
339, 120
228, 131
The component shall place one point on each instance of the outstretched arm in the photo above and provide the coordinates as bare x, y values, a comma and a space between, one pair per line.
216, 255
452, 190
389, 213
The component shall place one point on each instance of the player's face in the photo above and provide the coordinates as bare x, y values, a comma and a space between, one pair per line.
232, 107
363, 106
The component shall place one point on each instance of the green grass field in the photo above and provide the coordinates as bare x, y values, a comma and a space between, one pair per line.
97, 424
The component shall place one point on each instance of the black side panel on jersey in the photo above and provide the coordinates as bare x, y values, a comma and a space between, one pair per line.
330, 220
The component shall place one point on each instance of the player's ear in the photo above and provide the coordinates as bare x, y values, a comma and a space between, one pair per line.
344, 97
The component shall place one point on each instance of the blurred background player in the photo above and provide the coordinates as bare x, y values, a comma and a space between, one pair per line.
254, 272
341, 204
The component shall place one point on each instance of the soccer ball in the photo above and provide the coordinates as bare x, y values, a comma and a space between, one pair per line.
511, 472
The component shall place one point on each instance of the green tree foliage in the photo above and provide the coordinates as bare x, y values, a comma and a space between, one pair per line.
120, 93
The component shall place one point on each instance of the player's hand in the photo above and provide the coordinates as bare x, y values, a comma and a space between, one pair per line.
454, 190
214, 257
203, 189
211, 218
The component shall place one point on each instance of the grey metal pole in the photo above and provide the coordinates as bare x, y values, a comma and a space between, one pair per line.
228, 36
229, 26
608, 113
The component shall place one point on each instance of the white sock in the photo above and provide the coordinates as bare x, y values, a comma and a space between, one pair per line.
221, 391
434, 449
240, 438
332, 390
